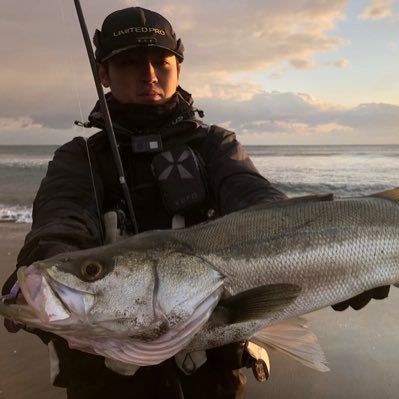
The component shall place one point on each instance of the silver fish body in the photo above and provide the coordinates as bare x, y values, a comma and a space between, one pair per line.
332, 250
149, 297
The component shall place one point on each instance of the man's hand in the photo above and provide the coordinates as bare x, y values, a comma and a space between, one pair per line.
361, 300
10, 325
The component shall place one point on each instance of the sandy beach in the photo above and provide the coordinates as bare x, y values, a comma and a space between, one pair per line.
24, 372
362, 349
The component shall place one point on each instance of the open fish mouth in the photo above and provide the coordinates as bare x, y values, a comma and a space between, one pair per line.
50, 300
21, 313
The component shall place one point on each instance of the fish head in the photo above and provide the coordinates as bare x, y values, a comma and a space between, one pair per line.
122, 290
91, 288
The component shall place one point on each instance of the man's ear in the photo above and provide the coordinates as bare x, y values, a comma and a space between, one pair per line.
178, 72
103, 75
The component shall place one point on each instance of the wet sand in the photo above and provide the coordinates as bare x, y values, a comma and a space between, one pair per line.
362, 349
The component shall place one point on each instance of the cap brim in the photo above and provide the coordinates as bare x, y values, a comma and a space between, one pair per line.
179, 56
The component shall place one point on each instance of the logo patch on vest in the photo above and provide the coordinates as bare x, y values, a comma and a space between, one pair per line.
183, 172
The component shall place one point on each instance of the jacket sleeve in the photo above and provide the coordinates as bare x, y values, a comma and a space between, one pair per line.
234, 180
65, 214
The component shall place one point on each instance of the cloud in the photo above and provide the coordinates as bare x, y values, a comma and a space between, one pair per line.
302, 64
341, 63
377, 9
48, 79
303, 119
372, 118
234, 39
40, 135
18, 123
295, 128
47, 82
221, 86
265, 118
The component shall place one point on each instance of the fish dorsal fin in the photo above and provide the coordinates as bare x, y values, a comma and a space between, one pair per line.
312, 198
392, 195
290, 201
293, 338
254, 303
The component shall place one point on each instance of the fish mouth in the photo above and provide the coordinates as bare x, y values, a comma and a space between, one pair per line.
50, 300
18, 313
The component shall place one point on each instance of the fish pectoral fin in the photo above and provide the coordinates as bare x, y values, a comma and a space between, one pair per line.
254, 304
293, 338
392, 195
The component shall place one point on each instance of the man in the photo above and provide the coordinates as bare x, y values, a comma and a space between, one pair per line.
139, 59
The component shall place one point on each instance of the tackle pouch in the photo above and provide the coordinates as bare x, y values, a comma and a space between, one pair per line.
180, 179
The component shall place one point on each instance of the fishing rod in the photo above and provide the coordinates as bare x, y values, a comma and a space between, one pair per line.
107, 118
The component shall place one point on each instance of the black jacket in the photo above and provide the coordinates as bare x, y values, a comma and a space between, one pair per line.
65, 215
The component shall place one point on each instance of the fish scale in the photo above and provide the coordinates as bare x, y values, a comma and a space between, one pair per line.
332, 250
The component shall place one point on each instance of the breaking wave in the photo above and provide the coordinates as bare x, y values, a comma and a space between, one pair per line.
15, 214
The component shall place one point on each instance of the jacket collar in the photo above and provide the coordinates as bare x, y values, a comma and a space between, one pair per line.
170, 118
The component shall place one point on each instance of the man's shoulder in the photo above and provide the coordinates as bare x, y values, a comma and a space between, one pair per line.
79, 145
218, 134
212, 132
73, 145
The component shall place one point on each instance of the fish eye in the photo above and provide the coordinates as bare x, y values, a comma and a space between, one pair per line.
91, 270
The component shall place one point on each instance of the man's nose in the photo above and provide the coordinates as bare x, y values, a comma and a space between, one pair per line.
149, 73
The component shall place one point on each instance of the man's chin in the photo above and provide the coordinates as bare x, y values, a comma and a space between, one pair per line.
152, 99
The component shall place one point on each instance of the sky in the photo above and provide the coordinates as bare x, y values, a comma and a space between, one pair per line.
275, 71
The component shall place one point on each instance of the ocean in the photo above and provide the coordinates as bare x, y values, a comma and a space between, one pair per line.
296, 170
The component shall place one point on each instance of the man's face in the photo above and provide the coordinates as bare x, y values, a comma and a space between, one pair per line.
141, 76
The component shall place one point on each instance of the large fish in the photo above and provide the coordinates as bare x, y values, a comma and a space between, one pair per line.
147, 298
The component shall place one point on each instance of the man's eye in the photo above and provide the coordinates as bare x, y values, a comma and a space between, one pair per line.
126, 62
164, 62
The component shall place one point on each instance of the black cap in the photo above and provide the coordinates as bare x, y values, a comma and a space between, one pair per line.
135, 27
